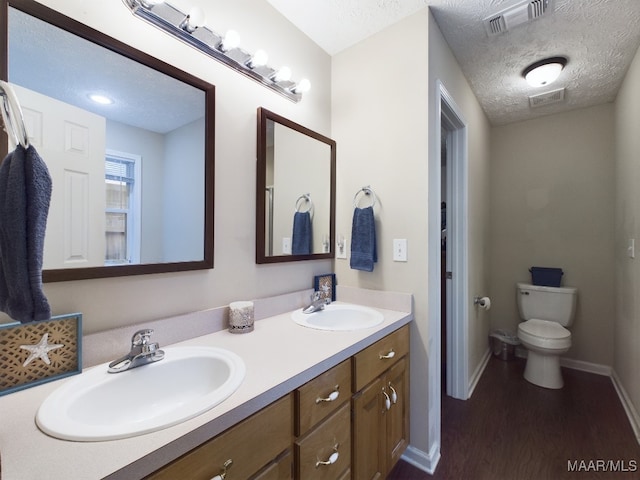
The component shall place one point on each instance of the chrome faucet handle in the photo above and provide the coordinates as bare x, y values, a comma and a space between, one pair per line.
141, 337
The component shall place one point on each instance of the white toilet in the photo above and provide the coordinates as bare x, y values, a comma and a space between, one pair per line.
546, 312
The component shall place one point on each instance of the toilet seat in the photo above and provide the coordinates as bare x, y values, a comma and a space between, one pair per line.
544, 334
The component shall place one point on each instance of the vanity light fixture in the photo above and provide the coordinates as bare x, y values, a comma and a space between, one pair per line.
191, 29
544, 72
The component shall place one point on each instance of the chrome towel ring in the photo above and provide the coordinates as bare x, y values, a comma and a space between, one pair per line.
365, 192
12, 115
304, 199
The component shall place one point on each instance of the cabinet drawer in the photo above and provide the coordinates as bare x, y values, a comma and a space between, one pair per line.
250, 445
315, 400
331, 437
280, 469
373, 360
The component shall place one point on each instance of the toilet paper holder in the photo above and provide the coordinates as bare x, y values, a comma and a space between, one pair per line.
483, 302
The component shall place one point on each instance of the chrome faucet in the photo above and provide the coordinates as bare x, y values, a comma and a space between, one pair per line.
317, 303
142, 352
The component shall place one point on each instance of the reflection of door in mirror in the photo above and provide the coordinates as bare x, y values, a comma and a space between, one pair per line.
61, 132
132, 179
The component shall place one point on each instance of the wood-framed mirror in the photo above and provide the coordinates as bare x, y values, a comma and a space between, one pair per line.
295, 191
133, 179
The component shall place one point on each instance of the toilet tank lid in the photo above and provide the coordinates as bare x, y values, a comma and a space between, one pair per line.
540, 288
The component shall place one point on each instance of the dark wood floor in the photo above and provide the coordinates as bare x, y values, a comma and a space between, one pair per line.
511, 429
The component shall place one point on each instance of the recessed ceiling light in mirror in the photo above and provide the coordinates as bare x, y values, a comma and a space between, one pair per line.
101, 99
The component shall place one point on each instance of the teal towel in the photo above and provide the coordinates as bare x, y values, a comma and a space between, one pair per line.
25, 194
363, 240
302, 236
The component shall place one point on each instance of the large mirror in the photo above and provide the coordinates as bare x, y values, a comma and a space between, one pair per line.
295, 198
132, 168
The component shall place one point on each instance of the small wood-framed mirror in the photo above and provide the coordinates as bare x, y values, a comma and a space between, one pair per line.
295, 194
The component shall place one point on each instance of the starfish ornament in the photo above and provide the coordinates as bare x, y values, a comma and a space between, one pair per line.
40, 350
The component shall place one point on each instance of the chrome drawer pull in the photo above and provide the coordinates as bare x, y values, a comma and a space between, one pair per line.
223, 473
333, 396
389, 355
394, 394
333, 458
387, 400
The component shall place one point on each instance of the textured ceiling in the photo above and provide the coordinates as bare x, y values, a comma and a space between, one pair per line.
599, 37
63, 66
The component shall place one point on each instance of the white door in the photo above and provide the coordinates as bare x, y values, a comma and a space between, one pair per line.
71, 141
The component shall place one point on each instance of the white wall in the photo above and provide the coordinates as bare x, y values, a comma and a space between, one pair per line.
183, 201
379, 116
552, 205
627, 226
384, 129
235, 275
443, 67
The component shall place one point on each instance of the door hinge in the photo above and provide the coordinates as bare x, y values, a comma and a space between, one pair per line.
449, 275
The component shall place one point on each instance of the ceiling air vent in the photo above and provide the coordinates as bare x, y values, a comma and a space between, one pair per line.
555, 96
517, 14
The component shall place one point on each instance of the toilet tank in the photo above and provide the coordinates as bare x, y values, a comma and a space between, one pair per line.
547, 303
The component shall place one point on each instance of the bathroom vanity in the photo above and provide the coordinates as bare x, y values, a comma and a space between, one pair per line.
313, 404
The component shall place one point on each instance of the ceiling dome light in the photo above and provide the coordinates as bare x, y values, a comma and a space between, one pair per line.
544, 72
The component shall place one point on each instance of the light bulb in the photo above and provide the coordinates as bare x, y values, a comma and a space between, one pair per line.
259, 59
303, 86
282, 75
231, 40
194, 20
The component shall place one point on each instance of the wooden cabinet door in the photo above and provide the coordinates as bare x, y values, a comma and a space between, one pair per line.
396, 384
368, 427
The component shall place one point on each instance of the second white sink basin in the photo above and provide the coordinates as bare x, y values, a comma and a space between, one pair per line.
97, 405
339, 317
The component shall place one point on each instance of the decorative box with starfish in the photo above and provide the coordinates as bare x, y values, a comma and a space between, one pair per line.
38, 352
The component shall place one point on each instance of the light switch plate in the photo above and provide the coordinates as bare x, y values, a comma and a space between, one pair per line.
399, 249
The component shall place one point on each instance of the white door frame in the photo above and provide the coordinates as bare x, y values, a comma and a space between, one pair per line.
452, 122
448, 117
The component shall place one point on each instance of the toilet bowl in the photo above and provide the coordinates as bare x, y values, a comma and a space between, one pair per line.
546, 312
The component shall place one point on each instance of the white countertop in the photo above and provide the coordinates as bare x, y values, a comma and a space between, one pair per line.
279, 355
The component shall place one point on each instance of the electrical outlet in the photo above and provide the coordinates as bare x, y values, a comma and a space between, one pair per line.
286, 245
399, 249
341, 247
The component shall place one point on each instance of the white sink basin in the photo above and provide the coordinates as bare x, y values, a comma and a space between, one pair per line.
97, 405
339, 317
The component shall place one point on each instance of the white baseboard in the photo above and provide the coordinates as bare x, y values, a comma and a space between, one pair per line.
596, 368
475, 378
427, 462
632, 414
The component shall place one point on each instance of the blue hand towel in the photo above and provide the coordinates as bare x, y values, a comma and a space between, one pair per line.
301, 242
363, 240
25, 194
